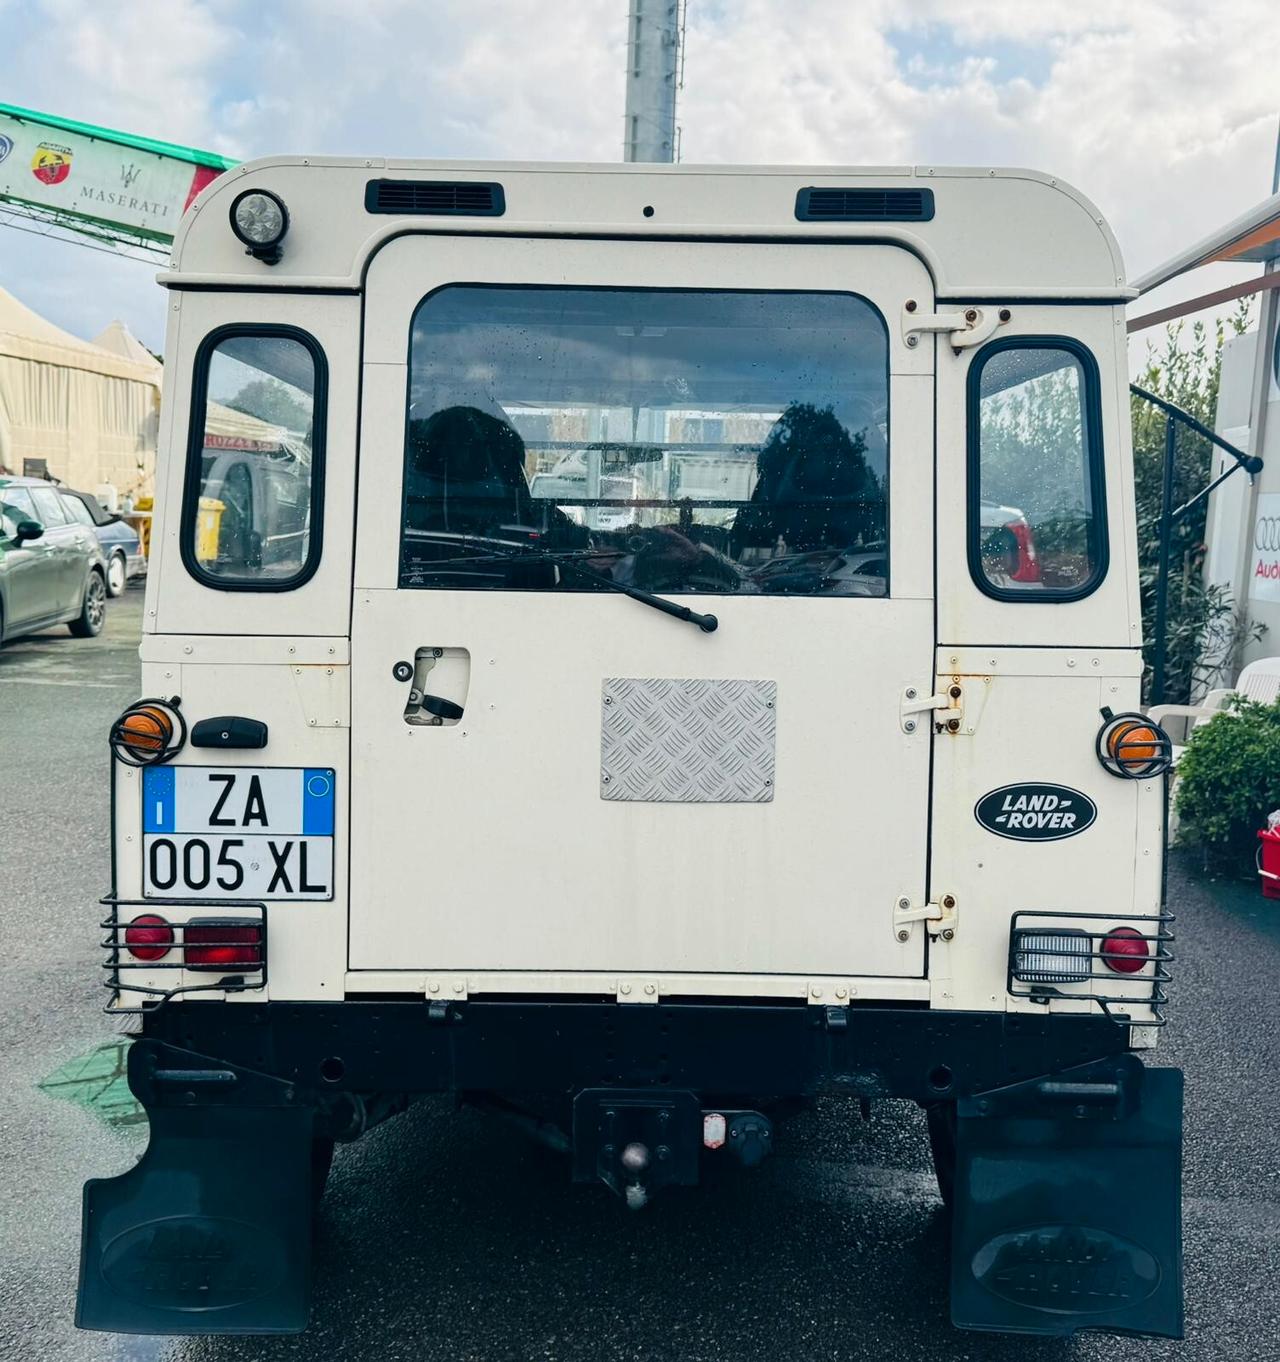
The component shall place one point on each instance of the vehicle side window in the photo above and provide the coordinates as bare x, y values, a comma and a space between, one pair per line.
76, 510
49, 510
1037, 519
15, 505
251, 514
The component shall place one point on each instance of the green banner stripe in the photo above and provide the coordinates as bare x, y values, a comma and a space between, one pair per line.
192, 155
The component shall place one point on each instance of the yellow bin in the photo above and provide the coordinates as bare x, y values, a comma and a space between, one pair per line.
208, 528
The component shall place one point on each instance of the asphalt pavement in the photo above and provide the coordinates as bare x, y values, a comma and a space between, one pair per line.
446, 1235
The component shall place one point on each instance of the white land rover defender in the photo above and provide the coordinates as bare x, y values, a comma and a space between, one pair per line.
642, 647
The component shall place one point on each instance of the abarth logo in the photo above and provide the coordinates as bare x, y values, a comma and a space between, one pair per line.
1035, 813
51, 164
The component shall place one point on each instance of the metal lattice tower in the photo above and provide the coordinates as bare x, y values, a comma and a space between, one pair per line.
655, 74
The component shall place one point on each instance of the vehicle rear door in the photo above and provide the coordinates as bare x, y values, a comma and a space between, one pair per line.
548, 776
31, 568
65, 547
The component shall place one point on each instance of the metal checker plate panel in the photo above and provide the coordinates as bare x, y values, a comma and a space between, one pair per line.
687, 741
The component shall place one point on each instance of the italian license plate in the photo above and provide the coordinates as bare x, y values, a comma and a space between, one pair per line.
237, 832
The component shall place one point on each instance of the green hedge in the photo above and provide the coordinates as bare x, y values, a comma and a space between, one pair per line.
1228, 781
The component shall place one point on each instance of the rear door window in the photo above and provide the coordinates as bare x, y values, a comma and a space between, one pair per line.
1037, 525
76, 510
49, 507
251, 516
674, 440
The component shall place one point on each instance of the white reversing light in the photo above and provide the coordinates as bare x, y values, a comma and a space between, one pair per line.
1052, 957
260, 219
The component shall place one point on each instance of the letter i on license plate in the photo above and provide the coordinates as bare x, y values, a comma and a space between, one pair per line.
237, 832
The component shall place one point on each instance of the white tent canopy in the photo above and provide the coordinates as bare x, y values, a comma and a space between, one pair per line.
224, 427
91, 412
121, 341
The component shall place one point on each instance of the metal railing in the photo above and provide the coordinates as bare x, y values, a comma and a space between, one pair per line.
1170, 515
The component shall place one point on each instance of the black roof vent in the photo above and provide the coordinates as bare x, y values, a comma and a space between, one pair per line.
864, 205
435, 198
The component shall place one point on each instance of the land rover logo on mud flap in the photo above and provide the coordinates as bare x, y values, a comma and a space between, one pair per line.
1035, 813
1066, 1268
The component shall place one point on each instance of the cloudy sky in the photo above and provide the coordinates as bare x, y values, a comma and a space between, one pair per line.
1162, 111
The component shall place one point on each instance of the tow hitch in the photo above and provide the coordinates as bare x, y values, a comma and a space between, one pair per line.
1067, 1207
636, 1143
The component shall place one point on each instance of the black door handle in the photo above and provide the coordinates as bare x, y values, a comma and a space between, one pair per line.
441, 708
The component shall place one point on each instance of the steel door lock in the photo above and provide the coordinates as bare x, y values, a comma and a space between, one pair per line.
449, 672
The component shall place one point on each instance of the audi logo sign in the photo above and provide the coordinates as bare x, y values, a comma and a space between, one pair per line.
1264, 572
1266, 533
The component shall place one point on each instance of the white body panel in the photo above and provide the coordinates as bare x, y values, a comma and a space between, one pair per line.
480, 856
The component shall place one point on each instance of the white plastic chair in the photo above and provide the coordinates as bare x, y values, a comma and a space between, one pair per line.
1259, 681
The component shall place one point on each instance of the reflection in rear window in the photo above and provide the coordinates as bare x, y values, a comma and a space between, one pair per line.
677, 441
251, 519
1037, 532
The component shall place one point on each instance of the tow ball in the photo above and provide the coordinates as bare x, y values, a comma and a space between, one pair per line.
636, 1143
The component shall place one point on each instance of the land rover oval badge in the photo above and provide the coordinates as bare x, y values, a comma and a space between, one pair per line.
1034, 812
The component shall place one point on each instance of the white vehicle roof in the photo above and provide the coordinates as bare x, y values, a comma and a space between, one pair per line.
994, 233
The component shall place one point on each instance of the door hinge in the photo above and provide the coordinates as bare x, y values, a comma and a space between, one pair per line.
964, 329
955, 710
947, 704
939, 917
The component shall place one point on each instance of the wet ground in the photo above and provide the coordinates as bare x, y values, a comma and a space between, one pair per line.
445, 1235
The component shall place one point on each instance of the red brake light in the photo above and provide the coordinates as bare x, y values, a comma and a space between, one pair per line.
148, 937
218, 945
1124, 950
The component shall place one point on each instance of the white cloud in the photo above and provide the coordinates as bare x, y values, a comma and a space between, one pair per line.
1162, 111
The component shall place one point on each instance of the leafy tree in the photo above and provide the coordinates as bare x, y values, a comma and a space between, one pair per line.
270, 400
1203, 630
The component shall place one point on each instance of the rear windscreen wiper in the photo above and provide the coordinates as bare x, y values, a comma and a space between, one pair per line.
568, 562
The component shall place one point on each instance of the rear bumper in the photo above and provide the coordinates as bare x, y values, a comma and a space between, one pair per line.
1067, 1160
751, 1051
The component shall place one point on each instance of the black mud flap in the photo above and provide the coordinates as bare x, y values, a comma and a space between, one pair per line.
211, 1232
1068, 1204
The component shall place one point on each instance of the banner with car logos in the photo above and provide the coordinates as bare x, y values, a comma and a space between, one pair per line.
59, 169
1264, 565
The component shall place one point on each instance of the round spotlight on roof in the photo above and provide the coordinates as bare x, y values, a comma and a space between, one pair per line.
260, 219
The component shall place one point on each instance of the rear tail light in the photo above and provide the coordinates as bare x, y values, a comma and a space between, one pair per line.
222, 945
1124, 950
148, 733
1028, 566
148, 937
1052, 957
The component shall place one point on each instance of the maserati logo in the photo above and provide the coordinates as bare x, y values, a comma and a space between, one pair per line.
129, 173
